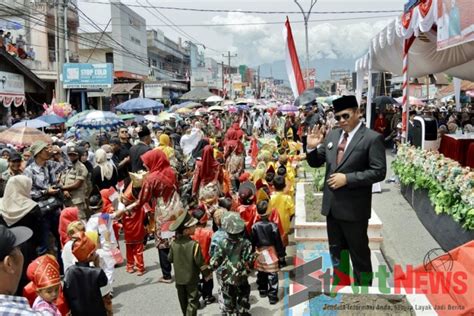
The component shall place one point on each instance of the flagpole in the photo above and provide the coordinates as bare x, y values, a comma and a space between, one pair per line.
306, 19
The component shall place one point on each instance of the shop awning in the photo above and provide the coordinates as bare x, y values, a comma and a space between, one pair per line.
123, 88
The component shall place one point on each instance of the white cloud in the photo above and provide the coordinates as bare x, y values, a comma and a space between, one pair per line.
261, 43
343, 41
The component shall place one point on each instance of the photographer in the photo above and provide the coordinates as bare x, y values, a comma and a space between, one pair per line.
45, 190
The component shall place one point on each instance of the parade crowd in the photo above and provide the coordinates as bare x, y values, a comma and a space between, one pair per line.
215, 193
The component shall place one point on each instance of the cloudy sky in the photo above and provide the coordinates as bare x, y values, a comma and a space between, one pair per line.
330, 35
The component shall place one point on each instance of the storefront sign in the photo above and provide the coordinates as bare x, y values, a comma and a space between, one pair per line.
87, 76
153, 90
455, 22
11, 84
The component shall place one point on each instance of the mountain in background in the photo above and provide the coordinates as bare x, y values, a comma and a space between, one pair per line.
277, 69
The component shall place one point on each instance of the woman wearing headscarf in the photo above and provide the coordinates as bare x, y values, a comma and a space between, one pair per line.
208, 176
18, 209
160, 191
165, 145
105, 174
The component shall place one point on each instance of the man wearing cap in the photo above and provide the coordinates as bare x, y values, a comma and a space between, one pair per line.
43, 172
14, 167
355, 159
11, 268
74, 183
136, 151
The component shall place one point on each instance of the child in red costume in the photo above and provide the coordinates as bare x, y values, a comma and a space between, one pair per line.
247, 208
134, 233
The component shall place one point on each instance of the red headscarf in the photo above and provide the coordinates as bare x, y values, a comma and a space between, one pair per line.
161, 175
234, 132
207, 169
232, 142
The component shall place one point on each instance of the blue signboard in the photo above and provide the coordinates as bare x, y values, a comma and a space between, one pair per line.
87, 76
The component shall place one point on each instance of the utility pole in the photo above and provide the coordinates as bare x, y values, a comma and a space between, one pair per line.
60, 56
229, 56
66, 41
222, 75
257, 95
306, 19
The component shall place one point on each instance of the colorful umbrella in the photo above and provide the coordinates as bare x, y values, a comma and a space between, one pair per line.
139, 105
287, 108
23, 136
216, 108
77, 117
232, 109
127, 117
52, 119
243, 107
214, 98
99, 120
184, 111
229, 102
35, 123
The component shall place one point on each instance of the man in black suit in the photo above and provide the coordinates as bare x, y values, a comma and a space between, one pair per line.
355, 159
136, 151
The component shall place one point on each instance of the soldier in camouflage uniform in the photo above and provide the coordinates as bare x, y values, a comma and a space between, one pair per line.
233, 259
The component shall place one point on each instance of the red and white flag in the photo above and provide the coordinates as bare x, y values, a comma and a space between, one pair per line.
292, 63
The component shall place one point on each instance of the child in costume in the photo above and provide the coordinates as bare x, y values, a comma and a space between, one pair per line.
267, 241
102, 224
188, 262
247, 208
45, 276
66, 254
82, 282
233, 259
284, 204
203, 236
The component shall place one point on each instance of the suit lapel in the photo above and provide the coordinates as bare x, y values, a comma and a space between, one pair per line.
354, 141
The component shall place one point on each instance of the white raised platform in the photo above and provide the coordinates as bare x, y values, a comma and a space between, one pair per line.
311, 234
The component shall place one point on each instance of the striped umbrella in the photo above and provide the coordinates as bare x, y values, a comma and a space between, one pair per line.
23, 136
99, 120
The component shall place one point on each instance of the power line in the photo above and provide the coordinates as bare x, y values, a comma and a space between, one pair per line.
250, 11
266, 23
143, 59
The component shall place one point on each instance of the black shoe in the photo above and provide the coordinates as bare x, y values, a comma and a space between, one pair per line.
209, 300
263, 294
273, 301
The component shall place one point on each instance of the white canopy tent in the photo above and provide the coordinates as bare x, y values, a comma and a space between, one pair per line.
419, 32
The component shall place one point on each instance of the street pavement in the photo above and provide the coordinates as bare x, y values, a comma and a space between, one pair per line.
406, 241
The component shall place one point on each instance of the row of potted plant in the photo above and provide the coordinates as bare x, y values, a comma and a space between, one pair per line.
450, 186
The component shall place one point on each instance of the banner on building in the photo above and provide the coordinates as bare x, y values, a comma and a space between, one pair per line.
455, 23
87, 76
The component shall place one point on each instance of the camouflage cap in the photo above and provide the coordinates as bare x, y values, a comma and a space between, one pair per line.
232, 223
